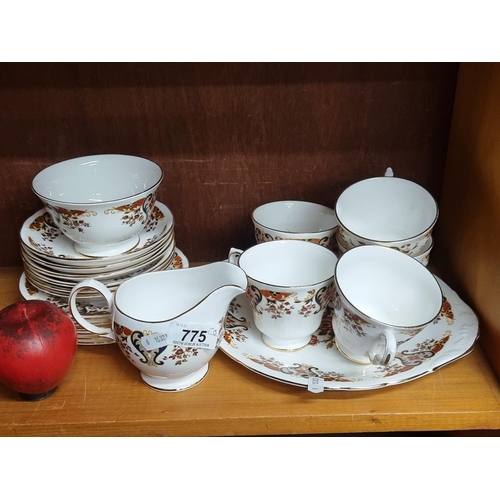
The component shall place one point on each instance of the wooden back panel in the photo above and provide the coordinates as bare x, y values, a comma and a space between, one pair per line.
467, 235
229, 137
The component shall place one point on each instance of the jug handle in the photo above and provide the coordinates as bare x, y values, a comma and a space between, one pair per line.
383, 350
234, 256
104, 291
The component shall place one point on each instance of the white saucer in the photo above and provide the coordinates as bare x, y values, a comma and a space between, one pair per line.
63, 284
41, 236
60, 267
449, 338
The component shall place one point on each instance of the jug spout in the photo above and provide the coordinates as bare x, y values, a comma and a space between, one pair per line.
223, 282
221, 298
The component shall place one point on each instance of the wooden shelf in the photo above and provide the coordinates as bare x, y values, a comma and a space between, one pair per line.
103, 395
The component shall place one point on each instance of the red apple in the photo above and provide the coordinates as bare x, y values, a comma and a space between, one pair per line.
38, 343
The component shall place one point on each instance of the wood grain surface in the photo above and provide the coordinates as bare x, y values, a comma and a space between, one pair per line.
468, 232
103, 395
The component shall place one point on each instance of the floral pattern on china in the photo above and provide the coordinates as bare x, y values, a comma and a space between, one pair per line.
132, 213
350, 241
280, 303
41, 234
326, 241
450, 337
159, 356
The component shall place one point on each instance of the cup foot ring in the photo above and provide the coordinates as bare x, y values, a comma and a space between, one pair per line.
358, 361
107, 250
286, 346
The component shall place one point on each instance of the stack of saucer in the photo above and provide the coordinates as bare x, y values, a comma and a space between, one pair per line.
52, 267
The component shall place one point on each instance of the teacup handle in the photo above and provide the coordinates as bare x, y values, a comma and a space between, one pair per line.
104, 291
234, 256
383, 350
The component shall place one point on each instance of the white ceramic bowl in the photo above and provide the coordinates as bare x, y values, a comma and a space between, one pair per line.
100, 202
387, 211
295, 220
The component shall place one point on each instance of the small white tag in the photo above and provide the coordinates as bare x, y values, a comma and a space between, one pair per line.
155, 341
184, 335
315, 384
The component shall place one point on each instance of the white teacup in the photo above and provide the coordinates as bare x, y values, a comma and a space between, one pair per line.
388, 211
295, 220
382, 298
100, 202
289, 286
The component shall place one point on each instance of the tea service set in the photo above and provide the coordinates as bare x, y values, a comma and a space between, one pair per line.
353, 279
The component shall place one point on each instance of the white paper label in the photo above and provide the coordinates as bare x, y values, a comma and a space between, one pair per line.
184, 335
315, 384
155, 341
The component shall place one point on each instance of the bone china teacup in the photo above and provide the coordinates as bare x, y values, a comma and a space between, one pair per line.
289, 286
295, 220
382, 298
387, 211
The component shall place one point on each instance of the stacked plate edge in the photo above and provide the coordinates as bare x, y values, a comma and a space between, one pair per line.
52, 267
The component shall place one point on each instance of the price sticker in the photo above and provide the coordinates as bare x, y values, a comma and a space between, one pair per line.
155, 341
315, 384
182, 334
194, 335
